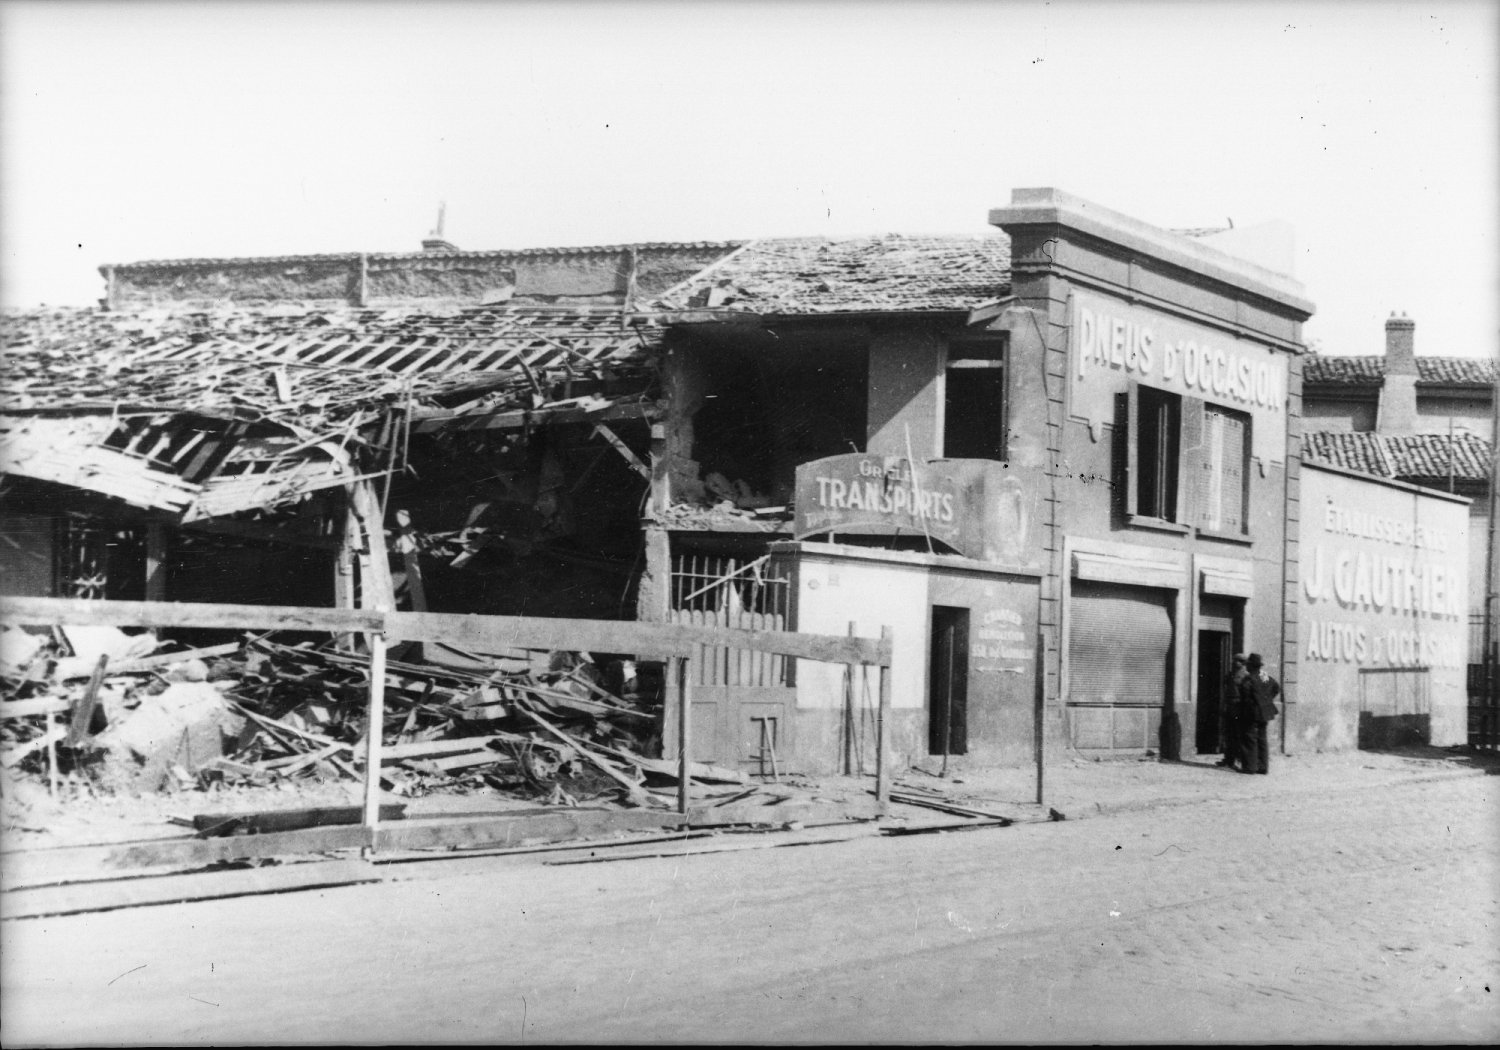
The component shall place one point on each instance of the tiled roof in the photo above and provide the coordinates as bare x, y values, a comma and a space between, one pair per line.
1370, 370
201, 413
491, 253
821, 275
1416, 457
294, 363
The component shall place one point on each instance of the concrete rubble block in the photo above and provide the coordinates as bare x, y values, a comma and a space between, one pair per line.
17, 649
184, 725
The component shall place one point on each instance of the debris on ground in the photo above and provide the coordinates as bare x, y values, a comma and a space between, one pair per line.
99, 711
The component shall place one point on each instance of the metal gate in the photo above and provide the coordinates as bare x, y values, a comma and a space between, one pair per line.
1484, 701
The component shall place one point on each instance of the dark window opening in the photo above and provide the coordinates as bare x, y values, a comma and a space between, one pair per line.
975, 402
1157, 443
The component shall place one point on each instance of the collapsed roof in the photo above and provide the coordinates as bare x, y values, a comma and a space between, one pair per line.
201, 413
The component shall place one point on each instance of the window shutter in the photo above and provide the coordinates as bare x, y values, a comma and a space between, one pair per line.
1127, 411
1192, 464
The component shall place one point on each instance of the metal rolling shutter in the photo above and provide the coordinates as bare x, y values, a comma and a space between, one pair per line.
1120, 644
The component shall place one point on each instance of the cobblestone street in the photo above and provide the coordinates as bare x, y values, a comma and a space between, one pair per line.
1344, 914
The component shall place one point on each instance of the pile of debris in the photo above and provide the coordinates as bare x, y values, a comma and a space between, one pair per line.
104, 710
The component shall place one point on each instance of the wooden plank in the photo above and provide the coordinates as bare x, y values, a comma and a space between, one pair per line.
426, 422
429, 748
78, 898
465, 631
944, 806
374, 732
24, 708
678, 677
83, 711
73, 611
146, 663
882, 719
489, 633
76, 863
460, 761
277, 820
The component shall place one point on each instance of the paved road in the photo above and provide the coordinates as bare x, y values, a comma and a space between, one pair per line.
1350, 916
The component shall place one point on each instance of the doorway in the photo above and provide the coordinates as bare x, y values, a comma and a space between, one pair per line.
948, 682
1215, 651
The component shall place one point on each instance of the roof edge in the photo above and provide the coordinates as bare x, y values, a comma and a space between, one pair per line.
1049, 206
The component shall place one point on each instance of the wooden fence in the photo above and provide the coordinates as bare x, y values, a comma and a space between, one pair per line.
677, 644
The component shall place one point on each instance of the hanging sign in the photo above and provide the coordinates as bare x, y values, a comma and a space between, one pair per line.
975, 507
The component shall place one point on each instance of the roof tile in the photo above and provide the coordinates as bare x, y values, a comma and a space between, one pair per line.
1414, 457
822, 275
1370, 370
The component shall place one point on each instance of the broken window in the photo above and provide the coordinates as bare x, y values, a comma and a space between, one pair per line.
766, 411
975, 401
96, 559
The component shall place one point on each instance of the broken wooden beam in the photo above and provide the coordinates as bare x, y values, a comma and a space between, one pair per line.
106, 895
83, 710
467, 631
210, 825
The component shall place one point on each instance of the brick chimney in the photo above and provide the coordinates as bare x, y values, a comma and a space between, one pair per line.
1398, 394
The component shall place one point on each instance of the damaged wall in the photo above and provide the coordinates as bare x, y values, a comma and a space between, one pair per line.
26, 555
391, 278
906, 393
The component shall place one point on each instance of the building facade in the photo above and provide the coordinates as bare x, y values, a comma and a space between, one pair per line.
1427, 420
1057, 459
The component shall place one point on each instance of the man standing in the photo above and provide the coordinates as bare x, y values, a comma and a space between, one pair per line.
1258, 693
1229, 712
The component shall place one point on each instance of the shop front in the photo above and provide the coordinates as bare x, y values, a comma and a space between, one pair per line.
941, 552
1169, 382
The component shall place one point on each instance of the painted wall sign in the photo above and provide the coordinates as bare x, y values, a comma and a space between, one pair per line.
1112, 343
1386, 588
1382, 628
977, 507
1002, 642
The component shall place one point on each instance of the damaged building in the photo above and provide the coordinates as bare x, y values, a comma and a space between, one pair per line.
1055, 459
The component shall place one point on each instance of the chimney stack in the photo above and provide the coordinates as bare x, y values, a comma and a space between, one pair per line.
434, 241
1400, 346
1398, 393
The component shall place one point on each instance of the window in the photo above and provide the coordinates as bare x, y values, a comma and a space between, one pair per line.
1223, 471
1188, 462
974, 403
1155, 452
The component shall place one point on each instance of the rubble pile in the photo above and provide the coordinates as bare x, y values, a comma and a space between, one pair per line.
103, 709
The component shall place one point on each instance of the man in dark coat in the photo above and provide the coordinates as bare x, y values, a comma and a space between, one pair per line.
1258, 693
1229, 712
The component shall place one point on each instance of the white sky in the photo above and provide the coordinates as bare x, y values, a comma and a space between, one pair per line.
135, 130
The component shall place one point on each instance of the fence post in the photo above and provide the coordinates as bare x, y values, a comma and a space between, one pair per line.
849, 710
374, 732
677, 674
882, 767
1039, 729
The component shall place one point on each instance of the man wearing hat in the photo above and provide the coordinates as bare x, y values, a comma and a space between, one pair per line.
1229, 712
1258, 693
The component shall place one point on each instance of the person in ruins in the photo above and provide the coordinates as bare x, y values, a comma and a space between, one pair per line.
1258, 693
1229, 713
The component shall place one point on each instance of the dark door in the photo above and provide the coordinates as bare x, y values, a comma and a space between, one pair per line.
948, 682
1214, 654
